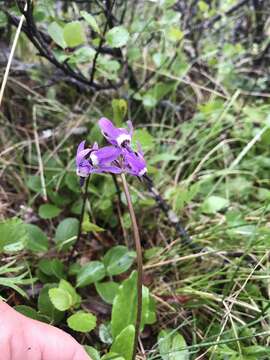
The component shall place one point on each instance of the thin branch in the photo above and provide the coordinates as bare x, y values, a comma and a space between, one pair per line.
85, 195
101, 42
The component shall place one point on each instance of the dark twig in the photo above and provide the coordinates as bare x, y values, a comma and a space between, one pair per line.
101, 42
85, 195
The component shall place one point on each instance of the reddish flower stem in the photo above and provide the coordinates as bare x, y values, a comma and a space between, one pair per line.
137, 241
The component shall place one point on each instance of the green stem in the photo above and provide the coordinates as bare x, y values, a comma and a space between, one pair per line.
139, 263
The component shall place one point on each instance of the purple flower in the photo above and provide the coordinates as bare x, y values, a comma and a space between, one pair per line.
95, 160
115, 159
134, 162
120, 137
82, 165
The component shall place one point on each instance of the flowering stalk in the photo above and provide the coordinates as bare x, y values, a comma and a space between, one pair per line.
139, 263
117, 158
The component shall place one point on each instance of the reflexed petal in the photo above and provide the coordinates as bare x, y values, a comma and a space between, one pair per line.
116, 136
134, 163
81, 146
109, 130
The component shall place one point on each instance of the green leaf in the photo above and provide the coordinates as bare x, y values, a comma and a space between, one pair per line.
214, 204
149, 100
56, 33
104, 333
107, 290
82, 55
117, 36
66, 233
203, 6
65, 285
144, 137
3, 20
74, 34
172, 346
46, 307
60, 298
37, 239
52, 267
13, 235
92, 352
124, 342
91, 21
92, 272
48, 211
108, 67
82, 321
29, 312
118, 260
124, 309
174, 34
88, 226
33, 183
112, 356
119, 110
125, 305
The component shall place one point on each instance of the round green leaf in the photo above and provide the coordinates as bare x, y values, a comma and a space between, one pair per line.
46, 307
48, 211
117, 36
74, 34
61, 299
82, 321
107, 290
118, 260
90, 273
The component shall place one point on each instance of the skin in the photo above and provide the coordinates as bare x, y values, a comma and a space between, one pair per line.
22, 338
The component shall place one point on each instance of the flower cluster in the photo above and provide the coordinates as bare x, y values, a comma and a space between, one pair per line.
117, 158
